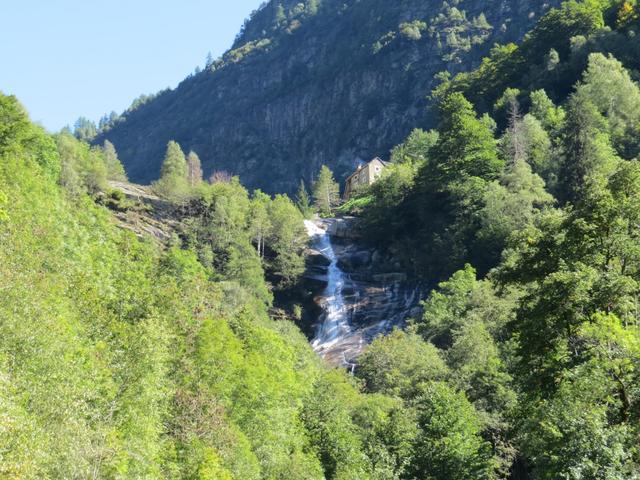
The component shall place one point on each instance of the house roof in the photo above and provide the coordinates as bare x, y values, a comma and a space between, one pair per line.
386, 164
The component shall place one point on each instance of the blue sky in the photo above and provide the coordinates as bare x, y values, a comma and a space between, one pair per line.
71, 58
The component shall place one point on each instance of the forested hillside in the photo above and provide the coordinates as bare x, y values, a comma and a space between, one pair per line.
514, 136
316, 82
528, 209
123, 357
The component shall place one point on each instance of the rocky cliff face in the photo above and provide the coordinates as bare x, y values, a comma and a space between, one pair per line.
331, 81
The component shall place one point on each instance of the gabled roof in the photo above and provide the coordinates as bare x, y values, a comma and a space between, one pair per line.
386, 164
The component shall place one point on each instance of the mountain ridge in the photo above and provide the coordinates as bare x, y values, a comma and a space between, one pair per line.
331, 83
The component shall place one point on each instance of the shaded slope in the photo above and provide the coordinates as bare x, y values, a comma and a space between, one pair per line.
334, 86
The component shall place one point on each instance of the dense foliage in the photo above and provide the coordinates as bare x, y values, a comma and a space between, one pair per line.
119, 359
543, 200
122, 358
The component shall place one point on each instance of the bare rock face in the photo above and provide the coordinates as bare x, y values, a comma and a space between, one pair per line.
142, 212
343, 228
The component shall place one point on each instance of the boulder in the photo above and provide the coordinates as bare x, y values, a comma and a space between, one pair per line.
345, 228
317, 259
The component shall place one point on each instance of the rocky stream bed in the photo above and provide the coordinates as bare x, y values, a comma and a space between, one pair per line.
359, 294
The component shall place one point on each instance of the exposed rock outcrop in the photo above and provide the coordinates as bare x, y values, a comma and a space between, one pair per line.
343, 228
140, 211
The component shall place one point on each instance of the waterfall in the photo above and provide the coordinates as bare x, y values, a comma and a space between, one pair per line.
358, 303
335, 323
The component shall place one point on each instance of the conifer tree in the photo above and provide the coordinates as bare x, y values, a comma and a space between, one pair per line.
174, 162
85, 129
466, 146
173, 183
194, 169
303, 201
588, 154
115, 170
326, 191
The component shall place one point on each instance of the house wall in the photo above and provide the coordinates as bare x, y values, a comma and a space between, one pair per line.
367, 175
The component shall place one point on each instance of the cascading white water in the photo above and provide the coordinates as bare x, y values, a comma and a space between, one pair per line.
356, 310
335, 323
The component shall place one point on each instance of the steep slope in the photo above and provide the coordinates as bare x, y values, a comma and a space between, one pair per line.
330, 82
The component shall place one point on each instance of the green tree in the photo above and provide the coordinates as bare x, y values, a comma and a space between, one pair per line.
327, 415
18, 136
383, 218
588, 154
84, 129
541, 154
465, 146
84, 169
287, 240
416, 148
400, 364
608, 85
388, 429
449, 444
545, 111
173, 182
455, 301
569, 435
223, 230
510, 204
574, 264
449, 191
115, 170
303, 201
194, 169
326, 191
573, 18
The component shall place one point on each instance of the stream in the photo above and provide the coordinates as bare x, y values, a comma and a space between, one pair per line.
357, 305
335, 324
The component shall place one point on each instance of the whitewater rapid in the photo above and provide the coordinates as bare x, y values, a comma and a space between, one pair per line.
334, 325
355, 310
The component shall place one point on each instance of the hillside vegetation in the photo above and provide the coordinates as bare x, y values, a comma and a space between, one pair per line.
121, 358
124, 357
530, 216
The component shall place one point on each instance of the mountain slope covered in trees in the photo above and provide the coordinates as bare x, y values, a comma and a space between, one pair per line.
542, 197
316, 82
123, 358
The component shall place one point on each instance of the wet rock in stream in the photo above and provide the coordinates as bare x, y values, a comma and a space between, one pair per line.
360, 298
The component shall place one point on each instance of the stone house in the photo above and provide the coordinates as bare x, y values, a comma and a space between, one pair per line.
364, 176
